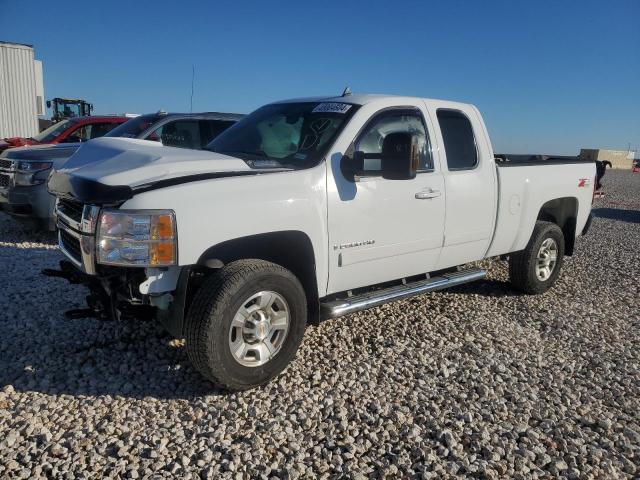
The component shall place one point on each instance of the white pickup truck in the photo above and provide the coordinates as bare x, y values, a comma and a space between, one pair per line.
306, 209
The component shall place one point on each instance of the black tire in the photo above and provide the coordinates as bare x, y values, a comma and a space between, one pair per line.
208, 322
522, 265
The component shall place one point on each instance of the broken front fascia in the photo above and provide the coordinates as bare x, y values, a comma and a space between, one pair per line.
159, 284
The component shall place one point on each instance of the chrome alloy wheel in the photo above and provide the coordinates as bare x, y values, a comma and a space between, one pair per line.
259, 329
547, 259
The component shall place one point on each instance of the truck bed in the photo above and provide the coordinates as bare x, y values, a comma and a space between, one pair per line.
554, 187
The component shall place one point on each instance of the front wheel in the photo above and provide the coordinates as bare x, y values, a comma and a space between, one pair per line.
246, 323
536, 268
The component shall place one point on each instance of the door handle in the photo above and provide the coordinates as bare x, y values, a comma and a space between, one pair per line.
428, 193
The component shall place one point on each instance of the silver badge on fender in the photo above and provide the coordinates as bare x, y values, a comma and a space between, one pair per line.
353, 244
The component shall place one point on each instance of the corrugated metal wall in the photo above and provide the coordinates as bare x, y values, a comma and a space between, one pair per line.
18, 115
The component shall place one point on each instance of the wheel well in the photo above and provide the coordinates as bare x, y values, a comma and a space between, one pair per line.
291, 249
563, 212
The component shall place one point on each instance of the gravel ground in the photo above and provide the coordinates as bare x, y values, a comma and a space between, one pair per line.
474, 382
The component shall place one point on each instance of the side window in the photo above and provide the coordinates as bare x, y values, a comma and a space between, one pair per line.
210, 129
459, 142
100, 129
181, 133
80, 134
370, 142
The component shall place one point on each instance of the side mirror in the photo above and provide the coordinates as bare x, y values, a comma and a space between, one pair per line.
400, 156
352, 165
48, 103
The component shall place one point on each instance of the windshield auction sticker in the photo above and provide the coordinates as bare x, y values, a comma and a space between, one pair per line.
331, 108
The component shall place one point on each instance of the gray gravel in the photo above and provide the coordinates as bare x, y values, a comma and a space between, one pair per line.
474, 382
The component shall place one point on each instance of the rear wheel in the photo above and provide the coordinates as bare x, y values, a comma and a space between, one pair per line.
536, 268
246, 323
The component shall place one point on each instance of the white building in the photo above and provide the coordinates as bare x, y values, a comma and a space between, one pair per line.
618, 158
21, 90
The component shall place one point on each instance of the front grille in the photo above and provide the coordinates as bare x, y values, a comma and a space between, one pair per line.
71, 245
4, 180
5, 163
71, 209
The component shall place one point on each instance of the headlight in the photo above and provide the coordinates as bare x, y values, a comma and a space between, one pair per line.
144, 238
32, 167
31, 173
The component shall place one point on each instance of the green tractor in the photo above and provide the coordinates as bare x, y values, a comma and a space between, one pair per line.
68, 107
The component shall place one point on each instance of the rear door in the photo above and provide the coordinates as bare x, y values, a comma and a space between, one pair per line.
382, 229
470, 184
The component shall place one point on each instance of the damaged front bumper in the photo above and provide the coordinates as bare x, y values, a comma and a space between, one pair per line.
116, 293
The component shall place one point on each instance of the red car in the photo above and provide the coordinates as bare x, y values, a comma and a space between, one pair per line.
71, 130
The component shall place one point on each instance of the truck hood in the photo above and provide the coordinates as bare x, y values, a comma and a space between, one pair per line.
112, 170
42, 152
134, 162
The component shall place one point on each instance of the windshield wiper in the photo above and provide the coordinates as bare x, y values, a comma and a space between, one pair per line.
259, 157
244, 152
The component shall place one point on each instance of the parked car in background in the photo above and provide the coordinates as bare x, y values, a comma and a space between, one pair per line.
23, 171
71, 130
184, 130
307, 208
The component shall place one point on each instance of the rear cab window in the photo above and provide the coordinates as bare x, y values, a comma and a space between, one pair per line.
459, 140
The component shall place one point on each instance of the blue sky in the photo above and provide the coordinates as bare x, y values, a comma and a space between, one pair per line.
549, 76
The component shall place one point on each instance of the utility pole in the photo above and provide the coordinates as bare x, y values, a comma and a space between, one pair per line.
193, 76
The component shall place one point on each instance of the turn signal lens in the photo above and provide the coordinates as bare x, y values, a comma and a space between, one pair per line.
162, 227
162, 253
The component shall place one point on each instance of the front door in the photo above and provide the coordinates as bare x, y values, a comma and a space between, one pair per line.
382, 229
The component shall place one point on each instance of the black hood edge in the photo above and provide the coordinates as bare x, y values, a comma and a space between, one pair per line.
89, 191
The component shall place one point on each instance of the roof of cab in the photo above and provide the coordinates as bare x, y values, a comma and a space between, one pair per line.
98, 118
198, 115
365, 98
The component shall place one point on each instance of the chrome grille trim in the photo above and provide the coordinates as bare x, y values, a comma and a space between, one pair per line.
61, 245
84, 232
5, 180
66, 218
6, 165
70, 209
87, 223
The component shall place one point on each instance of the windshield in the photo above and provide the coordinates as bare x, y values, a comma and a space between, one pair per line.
134, 127
294, 135
70, 109
51, 133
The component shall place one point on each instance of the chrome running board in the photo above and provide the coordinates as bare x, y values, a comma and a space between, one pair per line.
344, 306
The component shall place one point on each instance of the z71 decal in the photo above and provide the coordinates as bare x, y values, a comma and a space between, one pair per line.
583, 182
